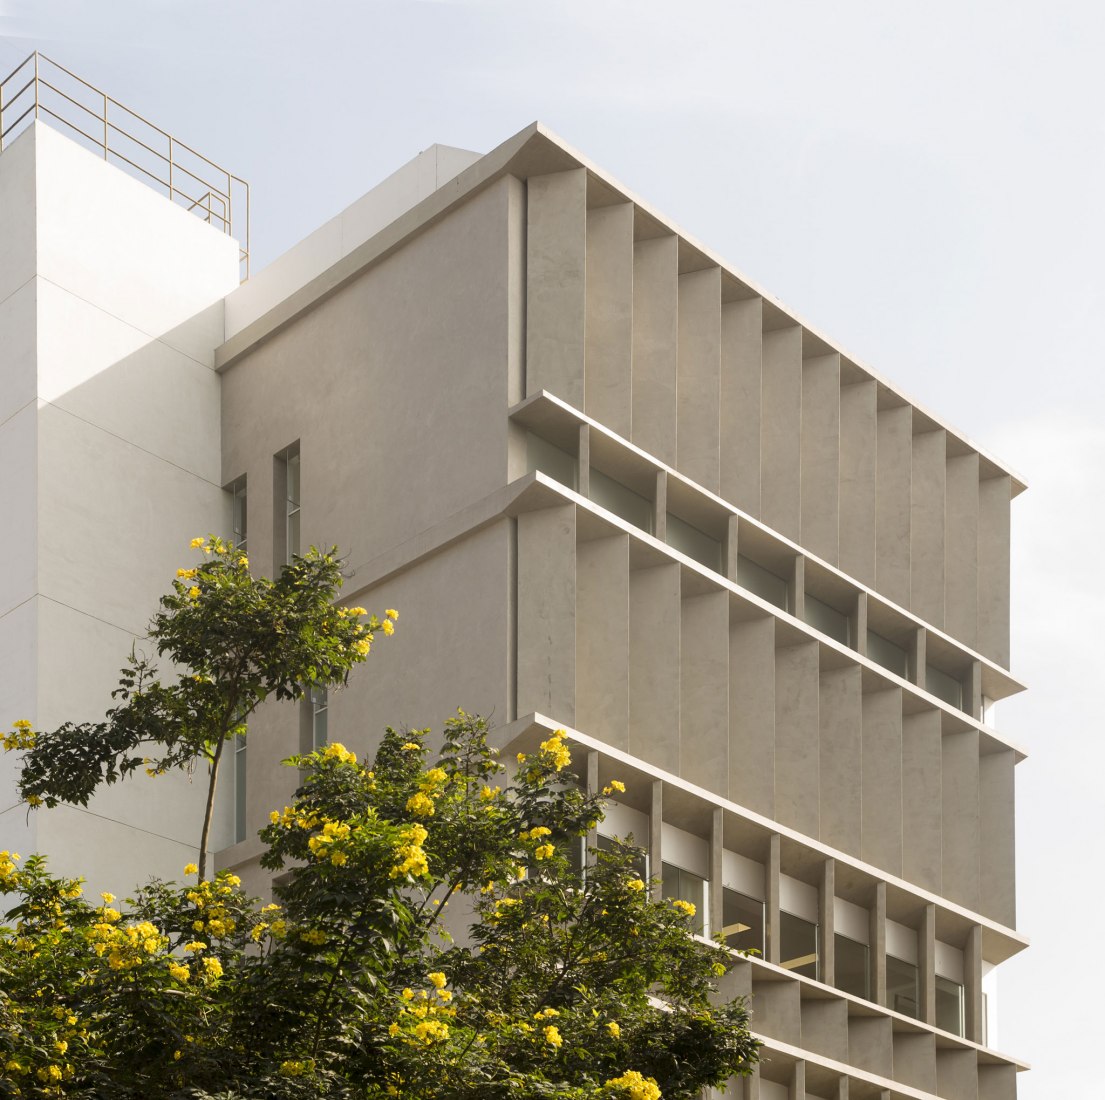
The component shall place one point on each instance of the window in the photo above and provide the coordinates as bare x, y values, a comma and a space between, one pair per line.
319, 703
694, 543
286, 506
853, 967
239, 789
828, 620
884, 652
238, 514
639, 862
902, 987
949, 1005
943, 686
559, 465
742, 921
763, 583
687, 886
797, 945
621, 500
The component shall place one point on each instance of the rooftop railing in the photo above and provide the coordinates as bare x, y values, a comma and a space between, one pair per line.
42, 89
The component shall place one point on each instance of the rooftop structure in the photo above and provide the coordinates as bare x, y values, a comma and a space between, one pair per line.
612, 486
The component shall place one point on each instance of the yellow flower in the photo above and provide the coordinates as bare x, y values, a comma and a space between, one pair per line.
314, 936
538, 832
543, 851
410, 746
243, 561
61, 1046
193, 592
636, 1086
176, 1055
552, 1036
195, 945
212, 967
387, 628
420, 804
554, 746
197, 542
684, 906
635, 884
437, 979
391, 613
614, 785
521, 758
180, 973
488, 793
186, 574
108, 898
614, 1029
191, 869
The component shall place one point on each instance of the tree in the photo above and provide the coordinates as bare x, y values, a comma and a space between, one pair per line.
241, 639
565, 980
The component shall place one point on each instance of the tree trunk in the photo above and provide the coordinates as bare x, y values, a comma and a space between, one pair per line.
210, 808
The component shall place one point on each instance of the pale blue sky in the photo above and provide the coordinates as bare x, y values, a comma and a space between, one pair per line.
923, 182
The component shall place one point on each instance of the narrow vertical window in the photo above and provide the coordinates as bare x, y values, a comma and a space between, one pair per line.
319, 706
239, 789
286, 485
239, 532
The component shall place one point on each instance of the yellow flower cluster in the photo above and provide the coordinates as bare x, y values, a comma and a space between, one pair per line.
687, 907
422, 1016
420, 804
297, 1068
614, 1029
635, 884
128, 946
614, 785
552, 1036
337, 751
21, 737
412, 859
314, 936
213, 917
635, 1086
543, 851
9, 873
329, 844
556, 748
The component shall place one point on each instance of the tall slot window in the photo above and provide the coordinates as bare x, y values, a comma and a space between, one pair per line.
320, 703
853, 966
239, 514
742, 921
798, 945
949, 1005
286, 483
903, 986
239, 789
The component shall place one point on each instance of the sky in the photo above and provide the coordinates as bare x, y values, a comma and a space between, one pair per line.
922, 182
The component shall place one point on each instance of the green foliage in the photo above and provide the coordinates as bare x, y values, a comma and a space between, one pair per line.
562, 983
240, 640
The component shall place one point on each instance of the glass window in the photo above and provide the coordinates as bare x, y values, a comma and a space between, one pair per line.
559, 465
694, 543
797, 945
828, 620
949, 1005
239, 789
742, 921
884, 652
292, 506
853, 966
621, 500
687, 886
763, 583
943, 686
320, 702
238, 515
903, 992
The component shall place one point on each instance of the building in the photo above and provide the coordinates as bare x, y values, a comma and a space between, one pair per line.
612, 486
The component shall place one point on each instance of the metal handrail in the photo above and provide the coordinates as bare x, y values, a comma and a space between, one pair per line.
211, 198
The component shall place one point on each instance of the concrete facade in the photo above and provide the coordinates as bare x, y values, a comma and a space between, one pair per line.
612, 486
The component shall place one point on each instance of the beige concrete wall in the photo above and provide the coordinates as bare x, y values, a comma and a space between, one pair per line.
655, 346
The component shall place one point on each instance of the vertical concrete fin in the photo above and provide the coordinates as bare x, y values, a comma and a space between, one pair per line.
877, 944
993, 568
796, 737
752, 713
881, 784
927, 515
840, 721
698, 386
556, 265
774, 869
961, 549
820, 459
780, 431
997, 841
602, 639
892, 502
826, 923
654, 627
741, 402
609, 324
858, 448
546, 612
921, 799
704, 691
960, 827
655, 345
